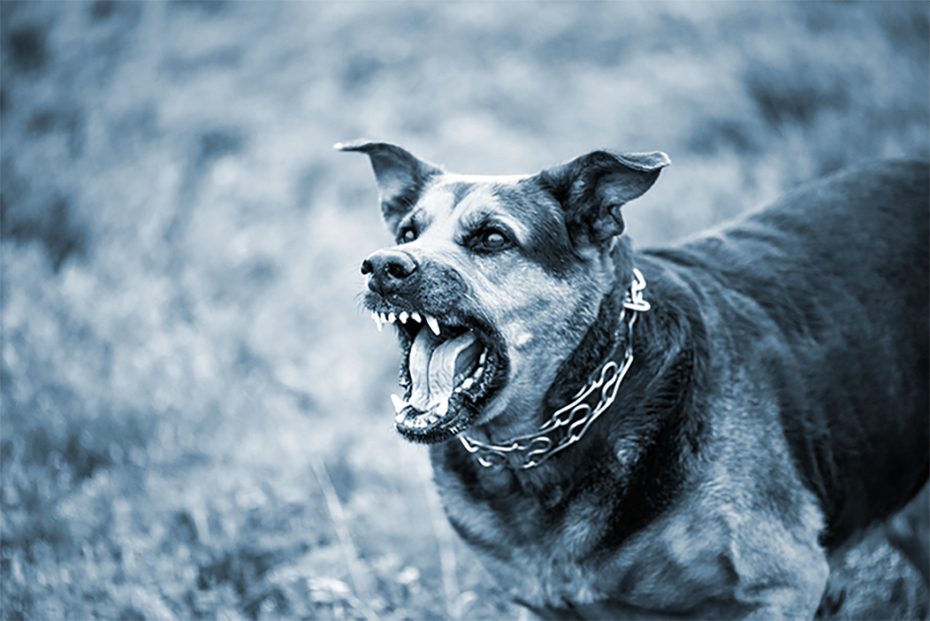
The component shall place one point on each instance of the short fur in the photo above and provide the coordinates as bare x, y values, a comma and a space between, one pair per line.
776, 406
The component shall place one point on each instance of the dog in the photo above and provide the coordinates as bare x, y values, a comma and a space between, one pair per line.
683, 432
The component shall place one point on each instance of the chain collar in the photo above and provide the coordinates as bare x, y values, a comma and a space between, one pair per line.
570, 422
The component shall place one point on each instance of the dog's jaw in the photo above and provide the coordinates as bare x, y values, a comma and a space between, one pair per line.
538, 356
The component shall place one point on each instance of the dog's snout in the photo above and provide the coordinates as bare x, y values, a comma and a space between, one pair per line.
389, 270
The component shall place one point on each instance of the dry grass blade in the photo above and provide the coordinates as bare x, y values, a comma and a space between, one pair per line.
447, 561
361, 581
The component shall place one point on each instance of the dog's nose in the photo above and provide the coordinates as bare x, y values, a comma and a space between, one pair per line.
389, 270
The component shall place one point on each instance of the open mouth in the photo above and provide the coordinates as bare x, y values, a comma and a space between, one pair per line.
451, 368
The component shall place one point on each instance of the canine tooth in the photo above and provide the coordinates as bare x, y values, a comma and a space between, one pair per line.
416, 317
392, 317
399, 404
403, 316
483, 357
433, 324
478, 373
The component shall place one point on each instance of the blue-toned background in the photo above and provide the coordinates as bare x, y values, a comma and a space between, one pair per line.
195, 419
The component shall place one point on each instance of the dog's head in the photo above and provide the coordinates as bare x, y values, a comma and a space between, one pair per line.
492, 281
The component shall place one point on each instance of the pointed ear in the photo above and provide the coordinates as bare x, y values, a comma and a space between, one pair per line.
400, 176
592, 188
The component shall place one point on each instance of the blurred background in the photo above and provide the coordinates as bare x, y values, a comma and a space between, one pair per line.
195, 421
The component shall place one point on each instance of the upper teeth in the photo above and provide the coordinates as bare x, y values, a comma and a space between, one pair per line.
382, 318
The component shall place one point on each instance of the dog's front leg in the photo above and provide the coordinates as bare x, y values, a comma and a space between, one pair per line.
796, 602
790, 588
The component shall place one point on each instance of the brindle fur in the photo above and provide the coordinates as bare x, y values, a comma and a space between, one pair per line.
777, 404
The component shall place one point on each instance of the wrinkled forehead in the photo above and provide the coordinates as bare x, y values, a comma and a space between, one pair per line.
455, 204
513, 200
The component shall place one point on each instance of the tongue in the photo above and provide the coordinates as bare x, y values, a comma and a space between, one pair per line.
435, 367
418, 363
449, 360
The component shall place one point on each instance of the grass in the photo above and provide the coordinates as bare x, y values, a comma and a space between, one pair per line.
194, 412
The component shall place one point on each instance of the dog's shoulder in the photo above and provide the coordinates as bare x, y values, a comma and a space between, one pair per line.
892, 177
860, 200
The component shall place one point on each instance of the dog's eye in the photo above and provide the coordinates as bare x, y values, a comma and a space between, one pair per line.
489, 240
407, 235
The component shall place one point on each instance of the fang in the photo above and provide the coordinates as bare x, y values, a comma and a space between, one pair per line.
433, 324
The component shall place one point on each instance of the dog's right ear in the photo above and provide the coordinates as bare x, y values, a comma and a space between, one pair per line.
400, 175
593, 187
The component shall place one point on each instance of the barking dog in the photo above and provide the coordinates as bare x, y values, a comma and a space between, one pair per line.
685, 431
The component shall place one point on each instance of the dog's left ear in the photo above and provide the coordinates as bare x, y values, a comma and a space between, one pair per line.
592, 188
400, 175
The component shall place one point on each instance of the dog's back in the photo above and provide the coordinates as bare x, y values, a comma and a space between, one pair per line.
840, 269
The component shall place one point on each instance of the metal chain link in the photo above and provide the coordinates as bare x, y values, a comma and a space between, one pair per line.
570, 422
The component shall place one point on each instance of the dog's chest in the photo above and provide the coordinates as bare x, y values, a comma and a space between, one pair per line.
549, 557
530, 552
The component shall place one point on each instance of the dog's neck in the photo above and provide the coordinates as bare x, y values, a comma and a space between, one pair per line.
603, 339
599, 344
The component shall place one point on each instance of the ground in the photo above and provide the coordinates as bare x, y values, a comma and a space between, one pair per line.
195, 421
